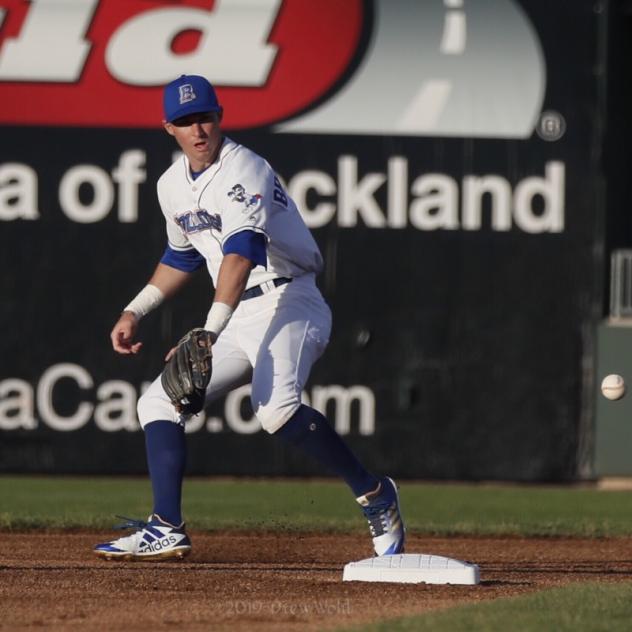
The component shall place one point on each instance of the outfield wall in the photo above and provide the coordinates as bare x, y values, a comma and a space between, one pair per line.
446, 156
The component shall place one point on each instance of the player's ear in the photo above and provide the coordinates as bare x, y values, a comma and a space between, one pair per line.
168, 127
220, 115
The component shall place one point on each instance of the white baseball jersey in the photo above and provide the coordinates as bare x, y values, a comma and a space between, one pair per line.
239, 191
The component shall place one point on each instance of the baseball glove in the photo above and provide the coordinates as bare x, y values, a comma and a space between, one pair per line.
188, 372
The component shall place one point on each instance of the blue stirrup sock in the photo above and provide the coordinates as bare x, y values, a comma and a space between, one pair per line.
166, 458
309, 430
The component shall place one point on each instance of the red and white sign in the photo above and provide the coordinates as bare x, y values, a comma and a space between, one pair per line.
103, 64
297, 66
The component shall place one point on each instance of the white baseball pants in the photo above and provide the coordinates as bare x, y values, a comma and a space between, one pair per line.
272, 340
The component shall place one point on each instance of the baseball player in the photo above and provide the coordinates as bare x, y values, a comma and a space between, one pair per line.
226, 209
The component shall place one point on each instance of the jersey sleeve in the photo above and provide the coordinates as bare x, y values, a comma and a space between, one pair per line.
185, 260
253, 194
248, 244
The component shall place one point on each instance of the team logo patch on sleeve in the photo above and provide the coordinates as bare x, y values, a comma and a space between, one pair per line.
240, 195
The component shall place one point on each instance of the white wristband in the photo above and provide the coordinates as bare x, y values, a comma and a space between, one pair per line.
147, 299
218, 317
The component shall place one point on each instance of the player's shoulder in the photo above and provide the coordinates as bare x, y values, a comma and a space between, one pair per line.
240, 157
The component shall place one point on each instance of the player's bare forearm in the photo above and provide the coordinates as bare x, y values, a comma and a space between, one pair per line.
169, 280
232, 279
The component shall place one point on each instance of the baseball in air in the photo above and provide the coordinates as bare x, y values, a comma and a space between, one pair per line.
613, 386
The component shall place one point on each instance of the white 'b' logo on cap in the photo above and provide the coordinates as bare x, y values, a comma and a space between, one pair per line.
186, 93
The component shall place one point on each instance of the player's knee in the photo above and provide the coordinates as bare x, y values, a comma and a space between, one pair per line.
272, 417
152, 406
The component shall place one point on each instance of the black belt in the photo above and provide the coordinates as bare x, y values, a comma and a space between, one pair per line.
258, 290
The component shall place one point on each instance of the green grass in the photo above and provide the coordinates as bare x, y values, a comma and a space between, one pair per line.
64, 502
577, 608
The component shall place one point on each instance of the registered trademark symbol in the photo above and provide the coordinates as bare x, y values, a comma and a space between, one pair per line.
551, 126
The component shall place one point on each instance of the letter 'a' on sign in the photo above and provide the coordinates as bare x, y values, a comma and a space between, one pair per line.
250, 54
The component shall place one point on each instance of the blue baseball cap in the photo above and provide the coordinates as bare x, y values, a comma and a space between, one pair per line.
189, 94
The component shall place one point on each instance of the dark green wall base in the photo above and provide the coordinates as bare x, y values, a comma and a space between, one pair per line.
613, 431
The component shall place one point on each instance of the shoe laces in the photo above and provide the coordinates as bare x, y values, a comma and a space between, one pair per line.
130, 541
130, 523
378, 517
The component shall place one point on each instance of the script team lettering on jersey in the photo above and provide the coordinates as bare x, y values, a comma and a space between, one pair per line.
197, 221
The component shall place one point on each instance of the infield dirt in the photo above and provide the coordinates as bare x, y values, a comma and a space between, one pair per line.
269, 581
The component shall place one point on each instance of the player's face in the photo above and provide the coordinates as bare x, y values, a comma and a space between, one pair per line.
199, 137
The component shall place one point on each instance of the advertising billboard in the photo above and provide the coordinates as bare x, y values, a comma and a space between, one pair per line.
445, 156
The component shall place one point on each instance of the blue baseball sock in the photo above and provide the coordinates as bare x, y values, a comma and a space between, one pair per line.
166, 457
310, 431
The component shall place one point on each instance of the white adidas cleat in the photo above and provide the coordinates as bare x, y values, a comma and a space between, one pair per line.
154, 540
381, 509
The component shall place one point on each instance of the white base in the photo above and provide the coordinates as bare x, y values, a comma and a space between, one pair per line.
412, 568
